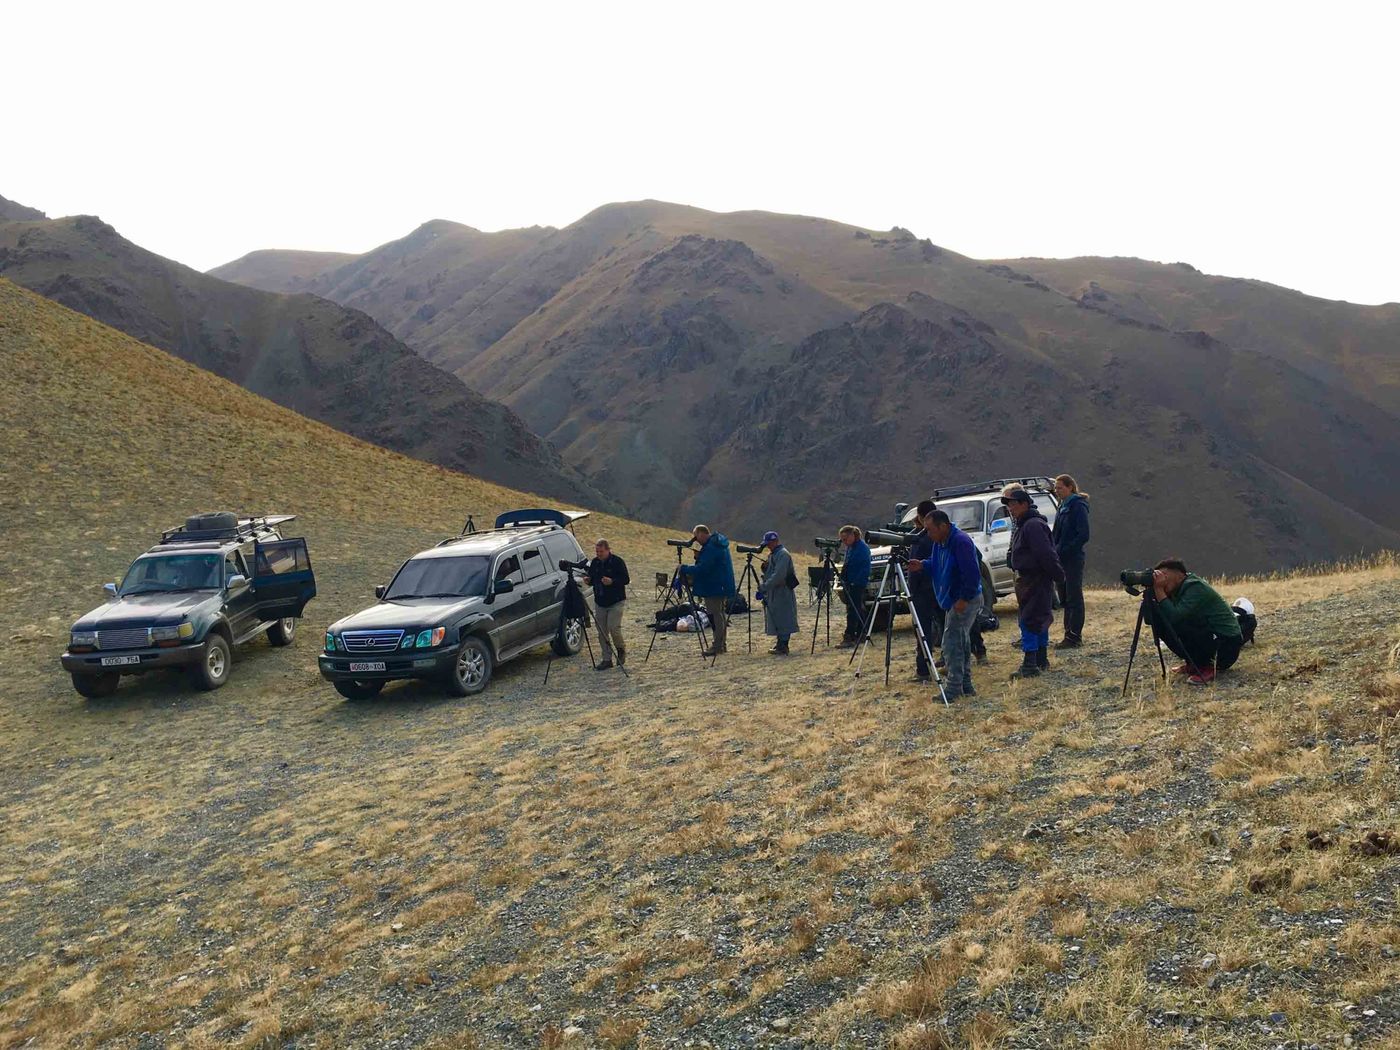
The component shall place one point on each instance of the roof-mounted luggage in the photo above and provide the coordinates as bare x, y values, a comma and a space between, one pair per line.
221, 526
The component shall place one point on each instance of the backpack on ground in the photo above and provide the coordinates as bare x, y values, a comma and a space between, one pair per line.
1243, 609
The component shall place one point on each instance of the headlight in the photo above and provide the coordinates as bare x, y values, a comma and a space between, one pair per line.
431, 637
83, 639
330, 642
173, 633
407, 642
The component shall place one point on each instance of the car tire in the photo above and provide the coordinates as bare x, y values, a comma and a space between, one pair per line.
570, 640
213, 669
471, 671
96, 686
283, 631
359, 690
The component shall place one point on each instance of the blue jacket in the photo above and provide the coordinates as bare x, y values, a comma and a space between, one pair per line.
954, 570
855, 570
1071, 531
712, 575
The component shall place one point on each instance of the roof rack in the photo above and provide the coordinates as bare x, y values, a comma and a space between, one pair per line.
243, 529
515, 520
995, 485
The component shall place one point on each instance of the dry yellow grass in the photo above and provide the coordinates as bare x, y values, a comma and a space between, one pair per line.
679, 855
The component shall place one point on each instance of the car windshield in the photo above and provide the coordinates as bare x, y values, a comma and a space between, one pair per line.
463, 576
173, 572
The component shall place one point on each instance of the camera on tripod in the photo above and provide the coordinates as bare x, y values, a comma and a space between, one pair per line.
748, 550
825, 544
680, 543
1132, 579
573, 566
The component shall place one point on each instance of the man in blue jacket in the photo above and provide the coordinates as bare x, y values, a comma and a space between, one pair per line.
855, 577
712, 579
957, 584
922, 601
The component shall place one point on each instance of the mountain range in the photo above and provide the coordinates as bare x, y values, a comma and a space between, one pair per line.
321, 359
761, 370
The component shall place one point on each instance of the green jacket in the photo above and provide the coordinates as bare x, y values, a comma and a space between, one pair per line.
1197, 604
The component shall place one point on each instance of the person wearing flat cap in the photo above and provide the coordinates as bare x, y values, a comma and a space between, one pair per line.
1038, 569
777, 591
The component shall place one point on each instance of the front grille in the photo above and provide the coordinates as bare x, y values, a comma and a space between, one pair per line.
125, 638
371, 641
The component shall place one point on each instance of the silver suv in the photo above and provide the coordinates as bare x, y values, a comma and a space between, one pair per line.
977, 510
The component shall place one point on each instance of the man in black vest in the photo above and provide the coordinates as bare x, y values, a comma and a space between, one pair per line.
608, 575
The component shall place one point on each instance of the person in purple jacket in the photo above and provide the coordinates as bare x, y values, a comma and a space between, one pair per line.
1038, 569
957, 585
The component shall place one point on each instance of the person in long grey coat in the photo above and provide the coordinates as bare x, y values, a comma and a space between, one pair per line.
778, 594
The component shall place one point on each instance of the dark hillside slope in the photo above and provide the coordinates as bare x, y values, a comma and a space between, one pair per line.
314, 356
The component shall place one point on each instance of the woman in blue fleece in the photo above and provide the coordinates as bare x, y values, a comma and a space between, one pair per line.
957, 584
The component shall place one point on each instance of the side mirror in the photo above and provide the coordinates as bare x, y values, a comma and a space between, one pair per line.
380, 591
504, 586
111, 589
1000, 525
236, 581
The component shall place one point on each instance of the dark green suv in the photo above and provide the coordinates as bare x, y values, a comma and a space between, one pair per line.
457, 611
209, 585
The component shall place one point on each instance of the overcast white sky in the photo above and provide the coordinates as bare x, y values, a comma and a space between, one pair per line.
1250, 139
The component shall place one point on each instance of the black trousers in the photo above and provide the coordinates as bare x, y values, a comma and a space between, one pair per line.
1071, 594
1201, 646
855, 611
931, 617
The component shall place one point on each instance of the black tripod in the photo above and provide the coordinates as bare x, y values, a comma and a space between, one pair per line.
1149, 598
894, 570
680, 588
574, 614
748, 578
825, 582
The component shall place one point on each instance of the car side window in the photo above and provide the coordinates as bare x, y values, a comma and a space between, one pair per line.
509, 569
534, 564
999, 512
233, 566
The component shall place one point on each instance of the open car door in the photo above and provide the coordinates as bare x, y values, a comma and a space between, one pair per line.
282, 578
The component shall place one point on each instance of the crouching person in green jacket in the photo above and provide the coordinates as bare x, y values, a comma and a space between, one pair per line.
1206, 627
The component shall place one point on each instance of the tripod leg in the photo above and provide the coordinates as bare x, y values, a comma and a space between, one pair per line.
922, 639
869, 625
1132, 649
666, 604
1172, 636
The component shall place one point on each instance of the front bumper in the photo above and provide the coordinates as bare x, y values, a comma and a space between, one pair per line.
400, 664
150, 659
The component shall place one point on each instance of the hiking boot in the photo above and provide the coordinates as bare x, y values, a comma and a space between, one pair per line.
846, 643
1206, 676
713, 652
921, 679
780, 649
604, 666
1069, 643
1181, 669
1029, 668
1042, 659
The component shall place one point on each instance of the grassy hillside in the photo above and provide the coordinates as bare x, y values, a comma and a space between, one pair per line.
761, 854
316, 357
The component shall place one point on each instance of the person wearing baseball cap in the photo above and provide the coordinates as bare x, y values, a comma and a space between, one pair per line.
712, 577
1032, 557
777, 591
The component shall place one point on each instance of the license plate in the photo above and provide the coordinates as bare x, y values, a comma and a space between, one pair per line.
371, 666
120, 661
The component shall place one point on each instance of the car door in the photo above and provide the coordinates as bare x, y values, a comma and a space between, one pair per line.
512, 613
282, 578
999, 523
240, 599
545, 585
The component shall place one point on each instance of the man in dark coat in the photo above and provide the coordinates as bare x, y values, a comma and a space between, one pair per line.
1071, 535
608, 575
922, 599
1038, 569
